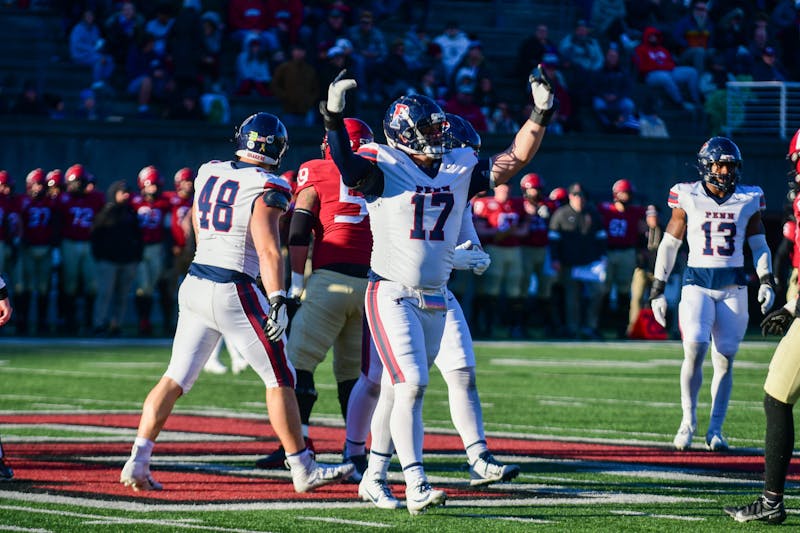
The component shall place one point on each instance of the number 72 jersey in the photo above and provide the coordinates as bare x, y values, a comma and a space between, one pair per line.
716, 231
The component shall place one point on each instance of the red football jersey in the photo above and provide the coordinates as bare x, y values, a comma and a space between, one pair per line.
537, 224
341, 232
9, 210
179, 209
622, 227
152, 216
502, 217
37, 220
77, 214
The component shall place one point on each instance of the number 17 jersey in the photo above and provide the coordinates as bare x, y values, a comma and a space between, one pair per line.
715, 231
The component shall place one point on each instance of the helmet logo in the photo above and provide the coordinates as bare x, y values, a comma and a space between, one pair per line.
400, 113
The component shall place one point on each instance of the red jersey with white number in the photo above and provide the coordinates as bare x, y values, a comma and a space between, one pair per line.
77, 212
180, 208
622, 226
502, 216
152, 214
341, 232
9, 209
37, 220
537, 222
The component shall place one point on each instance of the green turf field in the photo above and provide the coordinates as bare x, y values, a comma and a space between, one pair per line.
579, 394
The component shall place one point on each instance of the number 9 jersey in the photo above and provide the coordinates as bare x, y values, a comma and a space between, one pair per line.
715, 231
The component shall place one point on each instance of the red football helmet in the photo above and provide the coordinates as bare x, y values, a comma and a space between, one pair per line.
5, 179
55, 178
76, 177
185, 174
531, 181
358, 131
35, 177
794, 160
559, 195
149, 175
621, 186
291, 177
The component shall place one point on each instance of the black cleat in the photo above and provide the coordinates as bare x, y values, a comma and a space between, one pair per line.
758, 510
6, 472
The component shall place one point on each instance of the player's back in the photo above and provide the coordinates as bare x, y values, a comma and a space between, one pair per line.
223, 206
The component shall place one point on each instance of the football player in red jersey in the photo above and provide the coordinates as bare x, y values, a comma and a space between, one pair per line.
55, 188
538, 209
499, 222
332, 311
36, 215
181, 234
152, 208
624, 223
76, 210
8, 218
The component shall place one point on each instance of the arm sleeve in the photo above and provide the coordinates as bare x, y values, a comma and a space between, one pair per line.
762, 258
467, 231
480, 178
300, 228
357, 172
665, 258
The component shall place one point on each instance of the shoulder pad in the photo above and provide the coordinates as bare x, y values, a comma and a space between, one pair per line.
278, 198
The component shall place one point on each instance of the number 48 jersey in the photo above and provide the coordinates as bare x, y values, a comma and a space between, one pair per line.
224, 201
716, 231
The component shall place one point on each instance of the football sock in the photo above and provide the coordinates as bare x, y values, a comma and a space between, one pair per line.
306, 395
475, 450
360, 408
691, 379
142, 450
378, 463
721, 385
778, 445
413, 474
380, 426
406, 422
465, 407
302, 459
344, 389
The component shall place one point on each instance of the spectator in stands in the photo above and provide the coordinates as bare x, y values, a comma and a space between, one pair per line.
694, 35
485, 96
463, 103
565, 118
186, 46
252, 69
30, 101
661, 14
533, 49
212, 49
577, 242
117, 247
788, 38
296, 85
760, 37
767, 68
123, 31
397, 76
287, 19
612, 88
473, 63
187, 106
370, 45
580, 49
730, 39
148, 77
250, 17
335, 62
454, 44
85, 48
415, 47
502, 119
784, 15
160, 26
87, 105
431, 86
656, 67
608, 20
712, 86
332, 29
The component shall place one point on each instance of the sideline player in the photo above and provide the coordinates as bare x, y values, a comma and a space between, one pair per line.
416, 192
6, 472
332, 310
716, 214
235, 218
782, 388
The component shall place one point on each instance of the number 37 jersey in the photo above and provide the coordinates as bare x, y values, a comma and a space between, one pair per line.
716, 231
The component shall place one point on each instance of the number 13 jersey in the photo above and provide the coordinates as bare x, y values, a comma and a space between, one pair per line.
416, 220
715, 231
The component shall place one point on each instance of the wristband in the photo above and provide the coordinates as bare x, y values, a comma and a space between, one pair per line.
542, 117
657, 288
273, 294
767, 279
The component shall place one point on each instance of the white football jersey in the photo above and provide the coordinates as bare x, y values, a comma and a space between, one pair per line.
416, 221
716, 231
223, 204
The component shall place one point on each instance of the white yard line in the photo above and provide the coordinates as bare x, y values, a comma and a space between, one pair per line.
343, 521
666, 516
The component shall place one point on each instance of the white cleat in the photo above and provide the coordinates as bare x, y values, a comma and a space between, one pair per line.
319, 474
715, 442
488, 470
213, 366
421, 496
137, 476
683, 438
377, 491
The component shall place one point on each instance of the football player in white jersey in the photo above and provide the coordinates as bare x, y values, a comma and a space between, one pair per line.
456, 362
717, 215
235, 218
416, 191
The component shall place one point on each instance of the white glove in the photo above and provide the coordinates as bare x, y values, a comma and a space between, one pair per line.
336, 92
277, 319
659, 306
766, 297
466, 257
482, 263
543, 211
541, 89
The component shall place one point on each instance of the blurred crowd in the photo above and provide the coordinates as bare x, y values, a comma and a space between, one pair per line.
620, 65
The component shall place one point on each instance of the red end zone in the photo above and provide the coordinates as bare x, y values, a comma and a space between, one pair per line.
78, 468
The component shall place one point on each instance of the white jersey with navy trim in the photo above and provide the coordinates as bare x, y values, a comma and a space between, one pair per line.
416, 220
716, 231
223, 206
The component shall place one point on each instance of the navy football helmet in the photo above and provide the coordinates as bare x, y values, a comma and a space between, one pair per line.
262, 137
415, 124
459, 133
720, 150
